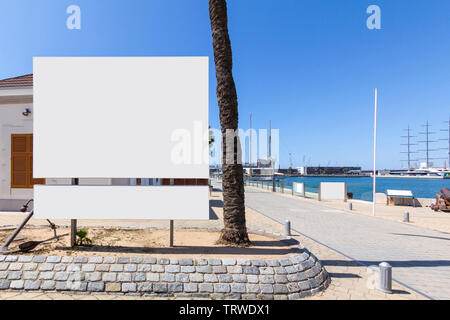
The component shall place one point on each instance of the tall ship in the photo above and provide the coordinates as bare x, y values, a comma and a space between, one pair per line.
424, 171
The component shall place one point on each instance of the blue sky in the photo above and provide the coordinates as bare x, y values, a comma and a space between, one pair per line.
309, 66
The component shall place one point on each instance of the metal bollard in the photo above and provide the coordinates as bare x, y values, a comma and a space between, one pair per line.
287, 228
406, 217
385, 277
350, 206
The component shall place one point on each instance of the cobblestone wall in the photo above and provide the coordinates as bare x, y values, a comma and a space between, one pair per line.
297, 276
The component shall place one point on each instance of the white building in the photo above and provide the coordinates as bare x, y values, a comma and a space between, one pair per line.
302, 171
16, 144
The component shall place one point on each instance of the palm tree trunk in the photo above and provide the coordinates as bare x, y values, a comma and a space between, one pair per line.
235, 230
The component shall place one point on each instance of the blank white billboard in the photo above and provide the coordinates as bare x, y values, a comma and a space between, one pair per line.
122, 202
144, 117
332, 191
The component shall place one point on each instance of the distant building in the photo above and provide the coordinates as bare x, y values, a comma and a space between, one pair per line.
328, 170
264, 163
302, 171
263, 167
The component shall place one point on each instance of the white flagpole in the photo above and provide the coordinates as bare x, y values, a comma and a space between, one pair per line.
250, 148
375, 153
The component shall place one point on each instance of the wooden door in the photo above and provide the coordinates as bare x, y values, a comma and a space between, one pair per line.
22, 162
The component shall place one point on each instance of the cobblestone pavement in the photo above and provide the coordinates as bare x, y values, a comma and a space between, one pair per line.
418, 216
420, 257
293, 276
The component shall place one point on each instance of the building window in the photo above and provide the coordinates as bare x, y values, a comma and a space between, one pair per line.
22, 162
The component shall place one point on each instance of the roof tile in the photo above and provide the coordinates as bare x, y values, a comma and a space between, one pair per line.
22, 81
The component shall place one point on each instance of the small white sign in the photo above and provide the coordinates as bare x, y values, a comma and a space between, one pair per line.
332, 191
299, 188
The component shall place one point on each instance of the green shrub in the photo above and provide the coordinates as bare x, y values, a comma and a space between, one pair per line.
82, 239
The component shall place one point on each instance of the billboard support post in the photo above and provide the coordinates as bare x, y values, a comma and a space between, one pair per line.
171, 234
73, 222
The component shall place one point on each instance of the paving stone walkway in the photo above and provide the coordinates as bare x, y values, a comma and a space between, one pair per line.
420, 257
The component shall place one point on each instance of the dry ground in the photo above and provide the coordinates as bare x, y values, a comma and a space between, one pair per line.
148, 243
